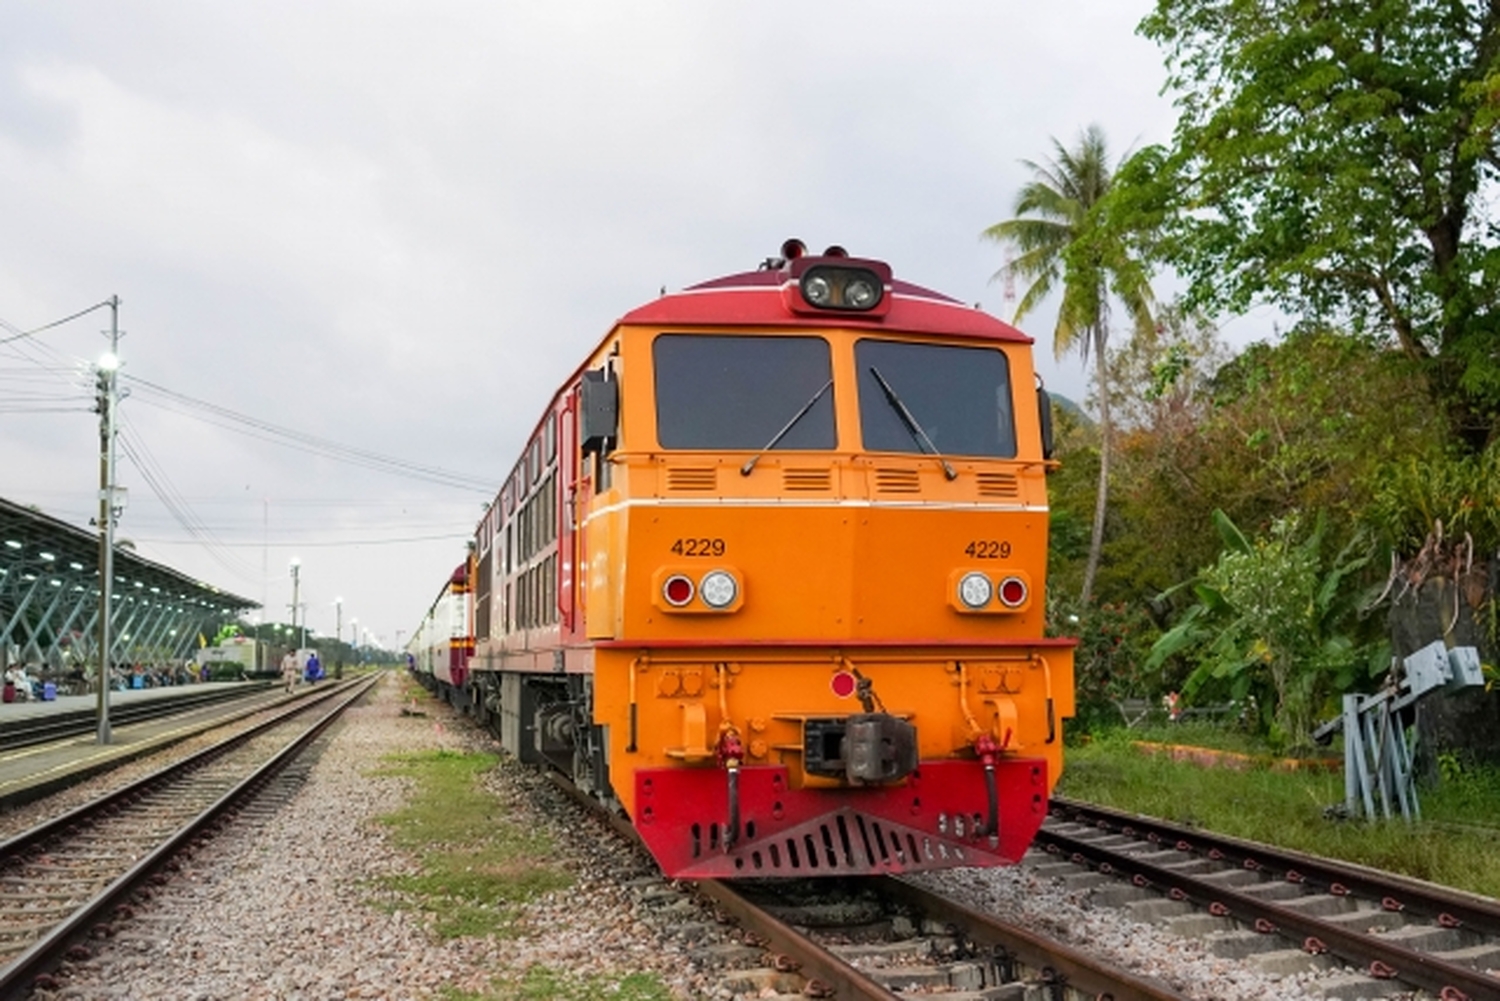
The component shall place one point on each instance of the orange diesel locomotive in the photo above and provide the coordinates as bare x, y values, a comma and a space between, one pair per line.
769, 577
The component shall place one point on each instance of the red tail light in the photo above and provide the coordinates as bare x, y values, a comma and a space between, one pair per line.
1012, 592
678, 590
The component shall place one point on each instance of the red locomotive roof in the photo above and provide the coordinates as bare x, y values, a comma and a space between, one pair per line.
755, 299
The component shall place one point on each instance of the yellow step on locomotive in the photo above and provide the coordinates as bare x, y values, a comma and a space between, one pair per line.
769, 577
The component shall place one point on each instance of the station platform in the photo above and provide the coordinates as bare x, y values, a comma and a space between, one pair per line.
28, 773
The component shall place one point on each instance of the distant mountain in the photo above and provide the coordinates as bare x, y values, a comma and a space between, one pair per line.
1063, 403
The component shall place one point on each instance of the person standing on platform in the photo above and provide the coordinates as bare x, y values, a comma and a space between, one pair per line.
289, 669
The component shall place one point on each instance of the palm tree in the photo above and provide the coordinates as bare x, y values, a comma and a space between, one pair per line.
1062, 233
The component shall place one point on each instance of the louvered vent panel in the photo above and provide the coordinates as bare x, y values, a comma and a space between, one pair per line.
807, 479
897, 481
693, 478
998, 485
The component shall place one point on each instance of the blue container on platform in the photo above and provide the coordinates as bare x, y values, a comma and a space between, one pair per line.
49, 691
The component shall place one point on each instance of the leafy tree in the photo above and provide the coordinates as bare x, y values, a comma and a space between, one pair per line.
1309, 424
1162, 390
1315, 420
1337, 157
1114, 639
1165, 381
1066, 233
1277, 620
1071, 490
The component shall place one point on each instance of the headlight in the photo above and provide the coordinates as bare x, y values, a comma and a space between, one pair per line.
974, 590
817, 291
678, 590
719, 589
861, 294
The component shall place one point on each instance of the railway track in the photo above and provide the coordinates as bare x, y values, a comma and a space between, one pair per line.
883, 938
1287, 909
28, 731
72, 877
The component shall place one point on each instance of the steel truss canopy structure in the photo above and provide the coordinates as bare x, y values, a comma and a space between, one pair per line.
49, 599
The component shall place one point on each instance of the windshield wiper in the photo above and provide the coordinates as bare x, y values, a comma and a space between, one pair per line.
750, 463
910, 421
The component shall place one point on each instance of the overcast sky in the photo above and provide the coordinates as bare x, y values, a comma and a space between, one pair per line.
399, 226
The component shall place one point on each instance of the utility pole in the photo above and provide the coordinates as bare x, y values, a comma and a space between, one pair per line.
338, 637
296, 584
108, 386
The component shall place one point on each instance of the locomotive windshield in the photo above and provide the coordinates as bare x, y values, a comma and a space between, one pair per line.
934, 398
740, 392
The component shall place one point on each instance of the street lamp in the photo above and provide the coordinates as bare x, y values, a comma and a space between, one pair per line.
109, 398
296, 585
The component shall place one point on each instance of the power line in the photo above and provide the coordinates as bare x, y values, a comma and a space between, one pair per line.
319, 545
17, 335
230, 420
161, 485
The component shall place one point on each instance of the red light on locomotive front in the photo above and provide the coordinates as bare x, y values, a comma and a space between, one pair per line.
1013, 592
678, 590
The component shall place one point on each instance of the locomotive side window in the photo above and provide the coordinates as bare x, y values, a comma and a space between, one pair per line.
955, 398
740, 392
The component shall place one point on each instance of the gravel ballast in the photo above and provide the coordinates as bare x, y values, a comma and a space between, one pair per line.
289, 905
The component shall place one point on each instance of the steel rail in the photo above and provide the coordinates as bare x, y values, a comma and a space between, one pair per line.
1407, 965
1076, 969
32, 730
1073, 967
811, 958
60, 823
17, 978
1480, 914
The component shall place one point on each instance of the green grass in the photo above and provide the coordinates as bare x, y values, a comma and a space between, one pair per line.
1196, 733
1457, 843
478, 870
540, 983
477, 866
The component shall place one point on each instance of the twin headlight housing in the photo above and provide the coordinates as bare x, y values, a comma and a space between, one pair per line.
837, 283
854, 290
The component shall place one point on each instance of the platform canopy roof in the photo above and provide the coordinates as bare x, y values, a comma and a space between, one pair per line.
49, 596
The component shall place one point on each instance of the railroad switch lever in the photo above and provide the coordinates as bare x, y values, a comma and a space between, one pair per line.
1378, 746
